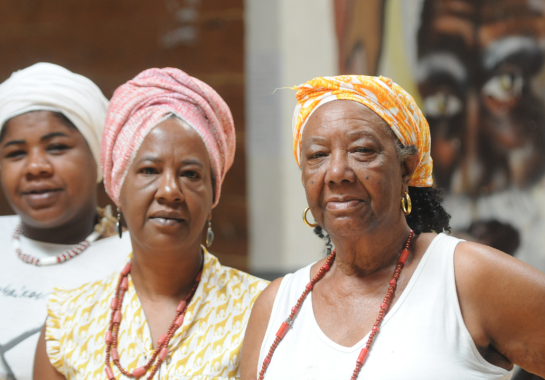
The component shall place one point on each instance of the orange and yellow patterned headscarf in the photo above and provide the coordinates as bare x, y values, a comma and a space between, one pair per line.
393, 104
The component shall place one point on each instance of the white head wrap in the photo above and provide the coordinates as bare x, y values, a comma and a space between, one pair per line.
49, 87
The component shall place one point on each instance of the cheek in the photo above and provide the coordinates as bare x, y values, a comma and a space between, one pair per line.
10, 175
135, 199
77, 170
313, 181
380, 178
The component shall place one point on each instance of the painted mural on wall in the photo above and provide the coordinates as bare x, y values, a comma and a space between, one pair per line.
477, 69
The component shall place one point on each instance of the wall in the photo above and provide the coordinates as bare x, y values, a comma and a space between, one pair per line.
288, 42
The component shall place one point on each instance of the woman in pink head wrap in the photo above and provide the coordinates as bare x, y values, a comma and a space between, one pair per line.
173, 311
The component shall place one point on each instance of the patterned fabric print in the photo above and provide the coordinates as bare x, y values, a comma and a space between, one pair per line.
393, 104
207, 346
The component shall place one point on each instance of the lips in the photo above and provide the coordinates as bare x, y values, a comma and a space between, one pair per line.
166, 218
343, 203
41, 196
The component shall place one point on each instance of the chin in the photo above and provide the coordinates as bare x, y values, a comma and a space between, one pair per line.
347, 226
45, 218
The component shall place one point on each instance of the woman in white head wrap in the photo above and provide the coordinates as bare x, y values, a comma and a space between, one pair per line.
51, 123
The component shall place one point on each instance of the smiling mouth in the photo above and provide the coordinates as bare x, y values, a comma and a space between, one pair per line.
344, 205
166, 222
37, 195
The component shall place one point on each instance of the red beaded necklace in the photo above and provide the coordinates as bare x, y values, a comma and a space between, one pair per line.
161, 352
374, 331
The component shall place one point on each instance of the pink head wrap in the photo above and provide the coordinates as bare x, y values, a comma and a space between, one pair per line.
150, 98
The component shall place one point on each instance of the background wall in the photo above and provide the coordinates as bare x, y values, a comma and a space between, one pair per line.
287, 43
112, 41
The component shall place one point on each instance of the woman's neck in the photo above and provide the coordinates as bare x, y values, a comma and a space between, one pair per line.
72, 232
369, 253
166, 273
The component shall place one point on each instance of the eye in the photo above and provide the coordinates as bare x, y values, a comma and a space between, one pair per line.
504, 87
442, 104
57, 148
363, 150
316, 155
16, 154
191, 174
148, 171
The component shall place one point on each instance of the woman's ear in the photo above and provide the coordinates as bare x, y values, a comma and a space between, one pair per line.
408, 167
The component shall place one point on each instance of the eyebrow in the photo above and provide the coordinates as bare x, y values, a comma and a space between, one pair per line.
440, 63
506, 48
359, 134
189, 161
192, 161
53, 134
44, 138
14, 142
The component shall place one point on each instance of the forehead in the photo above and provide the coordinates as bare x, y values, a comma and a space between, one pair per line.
173, 137
35, 124
481, 22
341, 119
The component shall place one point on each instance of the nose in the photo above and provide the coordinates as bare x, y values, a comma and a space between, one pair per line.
169, 189
339, 169
37, 164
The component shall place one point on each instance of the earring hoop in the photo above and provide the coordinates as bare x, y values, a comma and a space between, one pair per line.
406, 204
305, 219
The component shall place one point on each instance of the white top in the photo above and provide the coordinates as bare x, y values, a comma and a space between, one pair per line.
24, 289
423, 337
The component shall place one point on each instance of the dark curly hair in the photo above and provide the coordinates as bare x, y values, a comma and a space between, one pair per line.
428, 215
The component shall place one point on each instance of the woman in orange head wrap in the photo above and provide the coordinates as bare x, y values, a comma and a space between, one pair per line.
397, 298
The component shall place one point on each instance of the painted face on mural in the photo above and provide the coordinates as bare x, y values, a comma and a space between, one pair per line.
480, 75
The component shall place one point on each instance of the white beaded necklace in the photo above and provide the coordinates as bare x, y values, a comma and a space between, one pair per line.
106, 220
67, 255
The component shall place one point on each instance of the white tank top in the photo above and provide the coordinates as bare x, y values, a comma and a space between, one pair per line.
423, 336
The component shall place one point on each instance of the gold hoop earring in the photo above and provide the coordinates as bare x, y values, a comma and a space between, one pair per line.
406, 204
305, 219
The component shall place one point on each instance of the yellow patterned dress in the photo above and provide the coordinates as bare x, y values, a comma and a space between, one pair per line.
207, 346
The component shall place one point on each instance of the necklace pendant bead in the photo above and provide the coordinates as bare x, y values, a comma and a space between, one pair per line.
179, 321
139, 372
283, 330
114, 354
125, 283
163, 355
108, 337
309, 286
113, 305
181, 306
117, 317
404, 256
126, 270
109, 373
162, 340
363, 355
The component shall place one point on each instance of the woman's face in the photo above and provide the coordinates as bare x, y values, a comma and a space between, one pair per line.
48, 172
350, 169
166, 197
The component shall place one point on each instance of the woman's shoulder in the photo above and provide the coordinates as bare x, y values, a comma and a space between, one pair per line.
230, 282
83, 296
